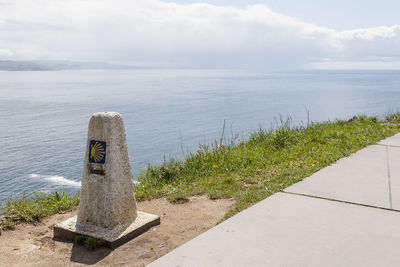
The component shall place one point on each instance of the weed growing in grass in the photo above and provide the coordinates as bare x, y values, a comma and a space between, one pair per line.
7, 225
268, 162
393, 118
91, 243
283, 137
79, 239
166, 171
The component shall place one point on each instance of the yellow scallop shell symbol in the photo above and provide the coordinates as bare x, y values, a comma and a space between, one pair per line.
97, 152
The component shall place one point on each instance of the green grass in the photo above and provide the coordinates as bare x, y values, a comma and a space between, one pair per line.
268, 162
249, 171
34, 208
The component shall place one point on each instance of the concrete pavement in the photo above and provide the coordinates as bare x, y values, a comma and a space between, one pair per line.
361, 178
344, 215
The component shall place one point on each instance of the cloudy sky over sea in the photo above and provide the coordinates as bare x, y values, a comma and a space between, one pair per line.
187, 33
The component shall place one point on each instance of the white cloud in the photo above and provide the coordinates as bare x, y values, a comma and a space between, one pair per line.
5, 53
157, 32
371, 34
378, 43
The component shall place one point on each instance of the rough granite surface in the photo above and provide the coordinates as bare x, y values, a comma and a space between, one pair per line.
107, 200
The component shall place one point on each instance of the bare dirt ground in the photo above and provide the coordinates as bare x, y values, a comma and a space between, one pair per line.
33, 245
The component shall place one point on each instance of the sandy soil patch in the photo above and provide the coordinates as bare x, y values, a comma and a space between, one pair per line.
33, 245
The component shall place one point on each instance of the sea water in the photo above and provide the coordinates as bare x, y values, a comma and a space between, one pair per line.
167, 112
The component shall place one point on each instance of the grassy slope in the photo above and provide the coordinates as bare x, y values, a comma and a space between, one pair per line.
33, 209
265, 164
249, 171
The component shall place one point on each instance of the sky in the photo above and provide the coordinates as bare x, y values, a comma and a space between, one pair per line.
339, 14
283, 34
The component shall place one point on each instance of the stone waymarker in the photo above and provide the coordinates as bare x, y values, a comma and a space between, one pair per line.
107, 207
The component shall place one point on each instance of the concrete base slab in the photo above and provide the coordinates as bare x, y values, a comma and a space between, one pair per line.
391, 141
361, 178
292, 230
114, 237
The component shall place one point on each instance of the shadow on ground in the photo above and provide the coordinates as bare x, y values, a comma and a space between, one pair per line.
83, 255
